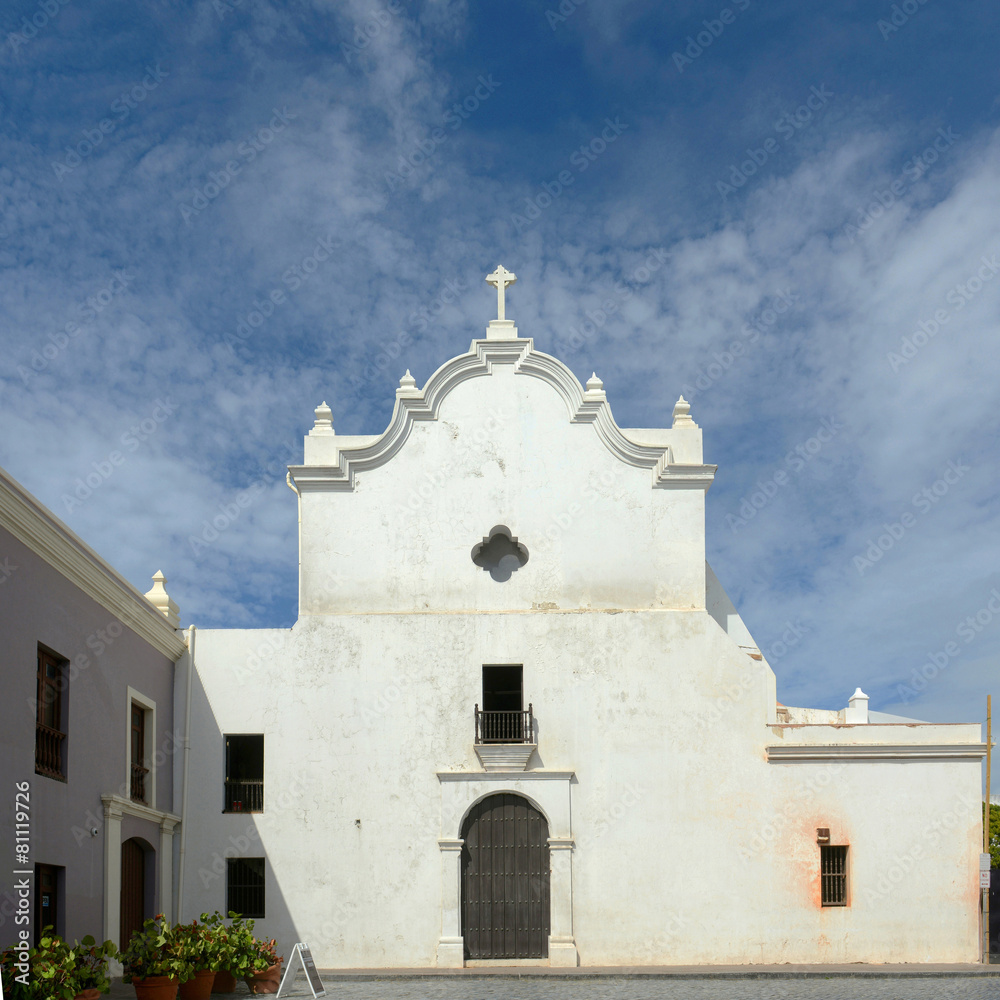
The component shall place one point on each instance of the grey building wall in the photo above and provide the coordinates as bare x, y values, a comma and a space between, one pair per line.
39, 605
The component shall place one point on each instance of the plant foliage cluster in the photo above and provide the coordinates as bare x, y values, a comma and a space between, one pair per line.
59, 971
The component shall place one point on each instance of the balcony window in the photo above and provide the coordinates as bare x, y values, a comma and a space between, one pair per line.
244, 790
50, 733
137, 777
502, 718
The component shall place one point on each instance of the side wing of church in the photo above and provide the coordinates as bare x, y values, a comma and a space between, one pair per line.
518, 719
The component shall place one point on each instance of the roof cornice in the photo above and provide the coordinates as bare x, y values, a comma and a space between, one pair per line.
583, 406
28, 520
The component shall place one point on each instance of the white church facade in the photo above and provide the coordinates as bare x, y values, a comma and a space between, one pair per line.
518, 719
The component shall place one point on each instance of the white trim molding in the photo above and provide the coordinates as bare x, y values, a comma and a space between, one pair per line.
589, 406
548, 791
116, 806
880, 751
40, 530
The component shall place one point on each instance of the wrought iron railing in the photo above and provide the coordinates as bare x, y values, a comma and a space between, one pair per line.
244, 795
138, 789
48, 751
505, 727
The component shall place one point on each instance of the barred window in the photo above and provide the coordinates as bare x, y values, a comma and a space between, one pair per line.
245, 886
833, 874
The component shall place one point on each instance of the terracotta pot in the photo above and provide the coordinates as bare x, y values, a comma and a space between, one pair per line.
199, 988
225, 982
267, 981
89, 995
156, 988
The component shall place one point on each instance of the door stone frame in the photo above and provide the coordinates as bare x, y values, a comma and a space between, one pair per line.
115, 807
547, 791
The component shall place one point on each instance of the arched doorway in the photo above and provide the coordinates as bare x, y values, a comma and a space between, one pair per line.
133, 894
505, 879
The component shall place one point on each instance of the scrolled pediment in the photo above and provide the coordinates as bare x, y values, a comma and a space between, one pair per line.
583, 406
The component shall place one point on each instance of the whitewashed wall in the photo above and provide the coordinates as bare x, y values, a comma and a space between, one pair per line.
690, 846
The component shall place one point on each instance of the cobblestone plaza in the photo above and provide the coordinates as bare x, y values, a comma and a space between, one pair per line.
748, 985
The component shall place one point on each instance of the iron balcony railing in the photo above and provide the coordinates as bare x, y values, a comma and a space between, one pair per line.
48, 751
138, 789
244, 795
505, 727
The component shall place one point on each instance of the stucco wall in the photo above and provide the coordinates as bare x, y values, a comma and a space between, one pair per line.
502, 451
690, 846
40, 605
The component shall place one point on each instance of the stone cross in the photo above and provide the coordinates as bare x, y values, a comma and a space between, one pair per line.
501, 278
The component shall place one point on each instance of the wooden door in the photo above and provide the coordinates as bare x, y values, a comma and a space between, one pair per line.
505, 880
133, 896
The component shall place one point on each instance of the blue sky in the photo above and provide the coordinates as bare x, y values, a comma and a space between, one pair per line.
816, 187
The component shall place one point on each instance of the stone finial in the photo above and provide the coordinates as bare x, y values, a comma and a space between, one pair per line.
407, 385
324, 420
594, 384
160, 600
857, 707
682, 414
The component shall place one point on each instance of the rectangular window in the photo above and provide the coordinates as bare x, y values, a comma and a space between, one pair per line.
137, 754
245, 886
244, 773
833, 874
50, 734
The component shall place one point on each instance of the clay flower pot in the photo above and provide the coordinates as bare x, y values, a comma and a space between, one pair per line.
225, 982
267, 981
156, 988
199, 988
89, 995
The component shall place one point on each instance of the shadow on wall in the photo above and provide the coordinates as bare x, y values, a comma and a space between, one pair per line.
229, 864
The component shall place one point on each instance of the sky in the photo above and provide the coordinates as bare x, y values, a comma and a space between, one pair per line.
216, 214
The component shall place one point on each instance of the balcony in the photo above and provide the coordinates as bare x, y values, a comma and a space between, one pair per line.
48, 751
505, 741
138, 783
244, 795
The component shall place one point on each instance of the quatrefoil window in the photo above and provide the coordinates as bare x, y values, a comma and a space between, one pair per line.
500, 554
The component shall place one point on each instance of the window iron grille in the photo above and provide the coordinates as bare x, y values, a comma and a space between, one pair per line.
833, 875
245, 886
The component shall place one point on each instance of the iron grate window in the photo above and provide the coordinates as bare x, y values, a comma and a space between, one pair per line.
245, 886
833, 873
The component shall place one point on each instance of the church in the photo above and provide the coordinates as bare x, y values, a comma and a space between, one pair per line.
519, 720
516, 722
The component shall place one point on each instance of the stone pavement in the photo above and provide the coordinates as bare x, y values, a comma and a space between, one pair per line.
938, 981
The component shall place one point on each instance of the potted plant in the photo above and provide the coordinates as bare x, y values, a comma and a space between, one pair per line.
154, 961
235, 948
60, 972
90, 976
266, 974
198, 943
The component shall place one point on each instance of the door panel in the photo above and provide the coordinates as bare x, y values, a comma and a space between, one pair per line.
505, 880
133, 895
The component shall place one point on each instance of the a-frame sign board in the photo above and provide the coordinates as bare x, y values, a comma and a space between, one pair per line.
304, 955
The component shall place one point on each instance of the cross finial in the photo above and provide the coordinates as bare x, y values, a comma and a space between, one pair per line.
500, 279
